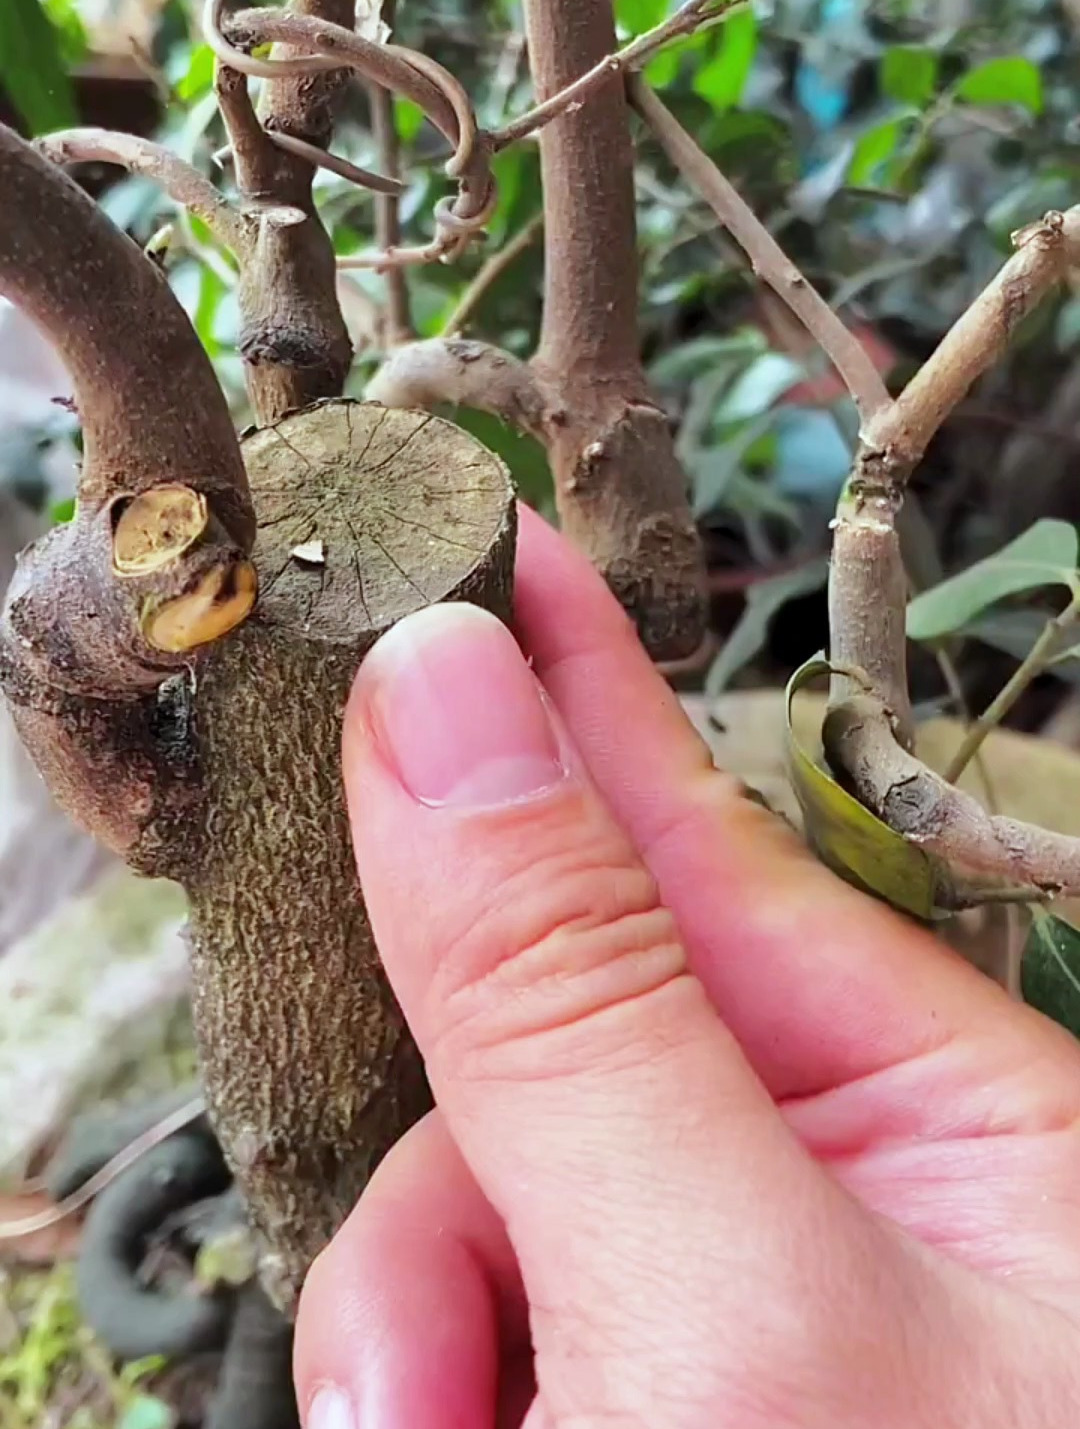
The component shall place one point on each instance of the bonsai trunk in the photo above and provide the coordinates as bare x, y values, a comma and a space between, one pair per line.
196, 730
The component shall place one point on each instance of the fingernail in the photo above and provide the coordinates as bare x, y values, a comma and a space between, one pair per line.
456, 711
330, 1409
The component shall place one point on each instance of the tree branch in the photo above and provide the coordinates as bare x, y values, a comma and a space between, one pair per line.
490, 274
767, 259
151, 409
458, 371
183, 183
293, 338
895, 441
621, 493
937, 816
397, 324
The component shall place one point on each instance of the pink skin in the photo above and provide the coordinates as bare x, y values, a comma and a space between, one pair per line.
719, 1141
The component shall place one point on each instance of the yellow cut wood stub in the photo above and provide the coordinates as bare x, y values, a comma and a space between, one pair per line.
156, 527
221, 600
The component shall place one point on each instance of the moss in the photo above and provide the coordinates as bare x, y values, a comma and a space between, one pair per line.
53, 1371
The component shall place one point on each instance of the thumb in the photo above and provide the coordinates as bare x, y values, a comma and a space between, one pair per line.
602, 1106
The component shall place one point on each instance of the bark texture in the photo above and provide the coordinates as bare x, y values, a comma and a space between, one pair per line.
294, 341
215, 761
622, 494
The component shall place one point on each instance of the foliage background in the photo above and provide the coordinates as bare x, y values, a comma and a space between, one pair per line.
891, 147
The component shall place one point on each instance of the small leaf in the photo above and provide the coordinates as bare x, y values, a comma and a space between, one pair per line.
1050, 969
1045, 555
637, 16
32, 67
198, 78
1011, 79
851, 840
722, 80
62, 511
908, 75
146, 1411
763, 601
409, 119
873, 149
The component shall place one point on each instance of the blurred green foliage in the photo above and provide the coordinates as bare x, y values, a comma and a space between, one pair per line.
891, 146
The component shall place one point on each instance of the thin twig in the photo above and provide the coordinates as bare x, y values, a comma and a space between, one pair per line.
767, 258
397, 323
1036, 660
116, 1166
183, 183
277, 68
458, 221
491, 272
690, 17
344, 168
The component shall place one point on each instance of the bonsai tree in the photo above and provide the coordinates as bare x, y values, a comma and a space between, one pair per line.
178, 656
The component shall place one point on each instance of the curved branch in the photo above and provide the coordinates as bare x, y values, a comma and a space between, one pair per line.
179, 179
937, 816
404, 71
458, 371
151, 409
330, 47
767, 259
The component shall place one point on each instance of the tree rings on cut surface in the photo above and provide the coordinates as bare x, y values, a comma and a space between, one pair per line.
402, 508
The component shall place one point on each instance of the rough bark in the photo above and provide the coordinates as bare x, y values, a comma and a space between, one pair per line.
294, 340
217, 762
409, 510
621, 493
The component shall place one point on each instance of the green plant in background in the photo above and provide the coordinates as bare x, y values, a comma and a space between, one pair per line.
49, 1358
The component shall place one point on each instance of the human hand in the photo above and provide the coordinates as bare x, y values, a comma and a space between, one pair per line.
720, 1141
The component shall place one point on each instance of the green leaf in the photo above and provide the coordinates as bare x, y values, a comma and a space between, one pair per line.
637, 16
1008, 80
851, 840
908, 75
198, 78
61, 512
32, 69
763, 601
873, 149
409, 118
722, 80
146, 1411
1050, 969
1045, 555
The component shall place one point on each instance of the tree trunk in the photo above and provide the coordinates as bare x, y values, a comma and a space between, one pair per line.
200, 738
621, 491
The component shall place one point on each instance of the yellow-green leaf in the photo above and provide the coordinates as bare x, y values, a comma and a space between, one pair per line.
851, 840
1050, 969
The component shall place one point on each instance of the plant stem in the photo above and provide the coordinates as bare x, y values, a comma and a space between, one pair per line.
1038, 657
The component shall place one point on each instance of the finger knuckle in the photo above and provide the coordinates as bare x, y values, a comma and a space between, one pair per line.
573, 937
